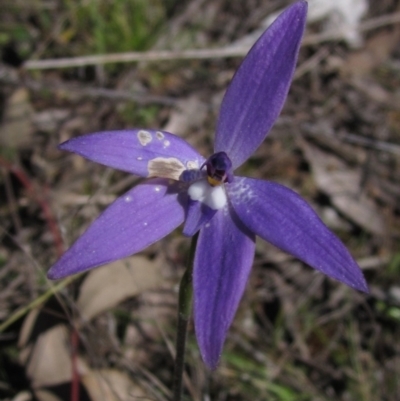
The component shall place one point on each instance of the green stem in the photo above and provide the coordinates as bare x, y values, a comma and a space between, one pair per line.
184, 310
53, 290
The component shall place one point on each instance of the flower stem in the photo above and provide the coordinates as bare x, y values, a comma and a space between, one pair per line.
184, 309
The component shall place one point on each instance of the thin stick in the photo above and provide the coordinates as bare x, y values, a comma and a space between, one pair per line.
8, 76
162, 55
152, 55
184, 310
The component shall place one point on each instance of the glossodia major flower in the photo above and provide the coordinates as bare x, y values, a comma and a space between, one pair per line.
227, 210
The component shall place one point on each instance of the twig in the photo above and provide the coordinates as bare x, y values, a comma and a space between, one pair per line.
152, 55
378, 22
10, 77
153, 383
371, 143
162, 55
311, 63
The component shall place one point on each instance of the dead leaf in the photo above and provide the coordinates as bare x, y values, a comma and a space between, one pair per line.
23, 396
106, 287
50, 360
342, 184
111, 385
45, 395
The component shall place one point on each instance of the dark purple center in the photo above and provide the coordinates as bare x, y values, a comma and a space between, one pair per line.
219, 169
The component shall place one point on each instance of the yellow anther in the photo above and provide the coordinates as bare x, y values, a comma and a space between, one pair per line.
213, 182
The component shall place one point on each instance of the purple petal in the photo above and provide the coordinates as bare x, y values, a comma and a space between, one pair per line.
146, 153
224, 256
145, 214
283, 218
197, 215
259, 88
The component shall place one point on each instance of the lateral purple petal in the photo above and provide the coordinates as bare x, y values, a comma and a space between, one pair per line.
259, 88
224, 256
145, 214
146, 153
197, 215
283, 218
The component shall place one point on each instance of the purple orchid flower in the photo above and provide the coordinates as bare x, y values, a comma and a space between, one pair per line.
227, 210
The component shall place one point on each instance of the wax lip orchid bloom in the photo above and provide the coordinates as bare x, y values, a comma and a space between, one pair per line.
228, 211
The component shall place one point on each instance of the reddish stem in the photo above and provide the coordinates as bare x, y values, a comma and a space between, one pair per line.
42, 202
75, 373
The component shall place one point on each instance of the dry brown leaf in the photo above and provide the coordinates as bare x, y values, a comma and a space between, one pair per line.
50, 360
111, 385
342, 184
44, 395
23, 396
106, 287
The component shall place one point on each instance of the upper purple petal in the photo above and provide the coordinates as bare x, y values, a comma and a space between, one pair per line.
259, 88
283, 218
224, 256
147, 153
145, 214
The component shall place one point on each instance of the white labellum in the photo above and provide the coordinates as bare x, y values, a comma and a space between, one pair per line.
213, 197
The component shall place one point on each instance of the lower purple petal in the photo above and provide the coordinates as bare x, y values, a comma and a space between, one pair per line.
145, 214
283, 218
197, 215
224, 256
